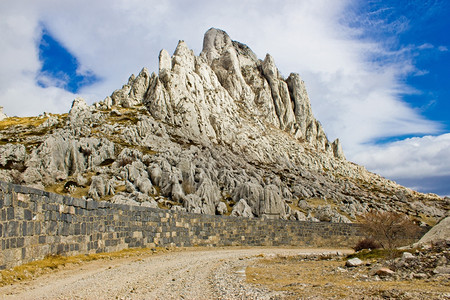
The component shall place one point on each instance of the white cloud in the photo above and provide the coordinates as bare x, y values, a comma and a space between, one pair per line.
425, 46
442, 48
357, 98
421, 72
417, 157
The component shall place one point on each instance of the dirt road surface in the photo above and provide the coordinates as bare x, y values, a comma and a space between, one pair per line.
190, 274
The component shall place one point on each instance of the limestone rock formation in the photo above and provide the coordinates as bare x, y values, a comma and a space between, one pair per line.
12, 153
219, 133
2, 114
242, 209
440, 232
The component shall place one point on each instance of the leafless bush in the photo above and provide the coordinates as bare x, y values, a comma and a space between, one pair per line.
367, 243
390, 229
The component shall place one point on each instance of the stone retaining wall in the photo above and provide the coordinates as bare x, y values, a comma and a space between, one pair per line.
35, 223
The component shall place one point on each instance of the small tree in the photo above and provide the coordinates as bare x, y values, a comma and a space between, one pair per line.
389, 228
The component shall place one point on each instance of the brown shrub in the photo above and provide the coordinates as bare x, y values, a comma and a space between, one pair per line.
390, 229
367, 243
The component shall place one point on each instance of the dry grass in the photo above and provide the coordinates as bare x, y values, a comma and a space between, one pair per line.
230, 205
79, 191
126, 116
53, 263
21, 121
28, 122
27, 130
431, 221
58, 188
303, 279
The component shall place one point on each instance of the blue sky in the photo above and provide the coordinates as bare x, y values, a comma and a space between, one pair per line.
377, 72
59, 67
420, 29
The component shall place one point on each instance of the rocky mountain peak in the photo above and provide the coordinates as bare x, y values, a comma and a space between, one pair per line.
215, 42
229, 74
222, 132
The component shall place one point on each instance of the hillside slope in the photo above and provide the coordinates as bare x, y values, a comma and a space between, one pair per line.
218, 133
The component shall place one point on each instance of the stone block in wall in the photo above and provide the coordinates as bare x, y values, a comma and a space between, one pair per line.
55, 198
7, 200
5, 187
12, 229
10, 213
26, 190
27, 214
42, 239
27, 228
104, 204
23, 200
91, 204
20, 242
12, 257
79, 202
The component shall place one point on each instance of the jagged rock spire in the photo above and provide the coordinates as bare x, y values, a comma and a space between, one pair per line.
215, 42
209, 95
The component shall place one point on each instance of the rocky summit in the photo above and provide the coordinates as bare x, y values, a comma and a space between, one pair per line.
219, 133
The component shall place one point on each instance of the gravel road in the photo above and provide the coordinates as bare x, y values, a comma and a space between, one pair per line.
191, 274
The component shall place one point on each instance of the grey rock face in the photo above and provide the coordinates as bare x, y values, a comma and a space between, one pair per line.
384, 272
12, 153
100, 187
193, 204
242, 209
134, 91
80, 113
407, 256
271, 205
327, 214
440, 232
298, 215
280, 94
209, 195
61, 156
221, 208
442, 270
252, 194
145, 186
